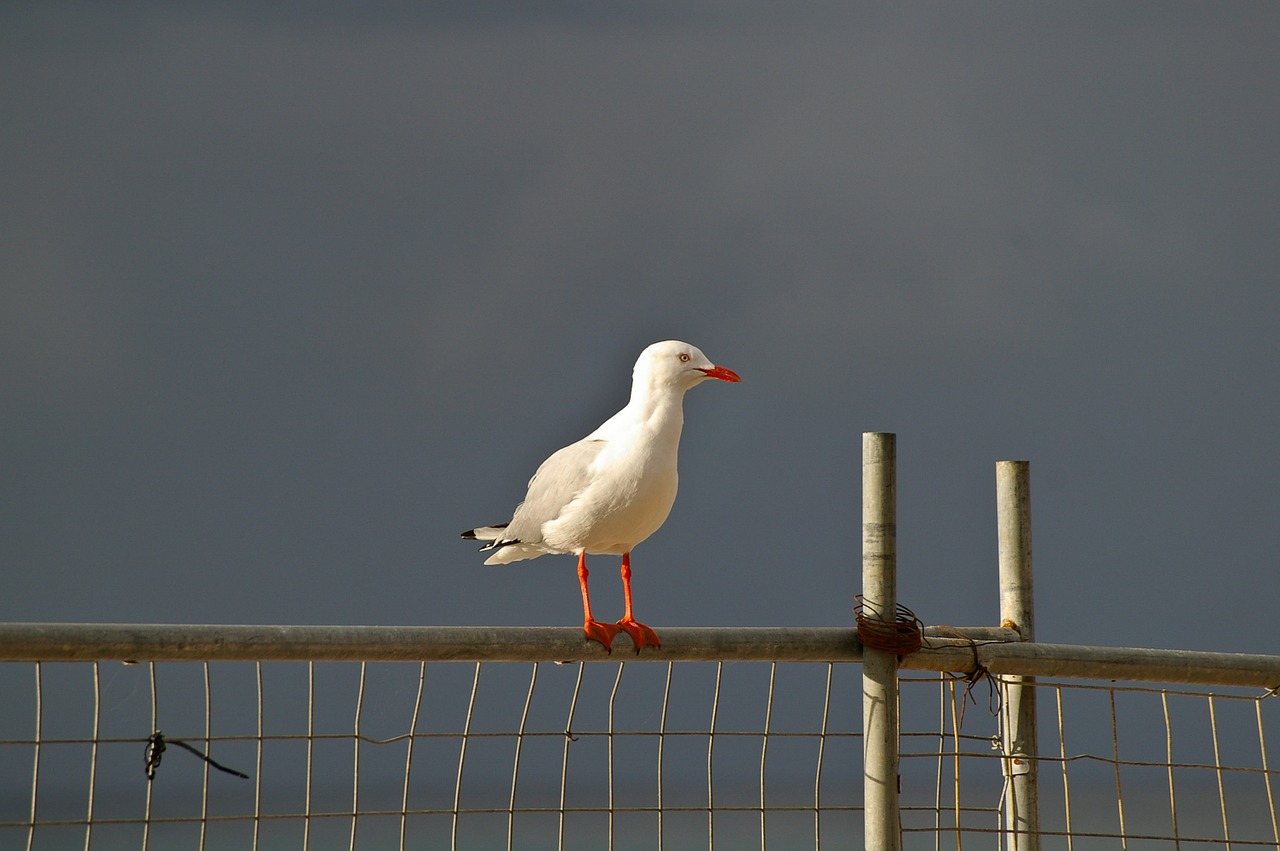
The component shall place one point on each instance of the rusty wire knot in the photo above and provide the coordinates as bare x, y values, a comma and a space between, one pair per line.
901, 636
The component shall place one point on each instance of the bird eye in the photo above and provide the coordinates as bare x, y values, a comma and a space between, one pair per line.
684, 357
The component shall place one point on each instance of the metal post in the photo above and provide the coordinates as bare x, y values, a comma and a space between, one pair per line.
881, 828
1022, 795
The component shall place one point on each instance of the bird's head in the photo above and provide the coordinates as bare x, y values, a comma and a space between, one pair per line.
672, 363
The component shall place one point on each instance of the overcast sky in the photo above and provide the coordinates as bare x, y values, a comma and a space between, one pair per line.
291, 298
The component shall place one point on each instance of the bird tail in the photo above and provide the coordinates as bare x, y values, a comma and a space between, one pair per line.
506, 550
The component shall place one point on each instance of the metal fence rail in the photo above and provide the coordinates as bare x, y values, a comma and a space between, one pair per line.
167, 642
964, 650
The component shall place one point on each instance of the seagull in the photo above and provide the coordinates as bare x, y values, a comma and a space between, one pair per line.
611, 490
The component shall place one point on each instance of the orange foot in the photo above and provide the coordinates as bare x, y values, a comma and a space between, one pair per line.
640, 634
602, 632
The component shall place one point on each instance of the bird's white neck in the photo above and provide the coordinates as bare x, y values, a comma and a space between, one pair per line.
659, 413
658, 403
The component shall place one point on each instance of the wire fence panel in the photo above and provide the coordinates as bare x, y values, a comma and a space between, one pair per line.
331, 755
373, 753
1121, 766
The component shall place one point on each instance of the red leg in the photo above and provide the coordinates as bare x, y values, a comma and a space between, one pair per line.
596, 631
640, 634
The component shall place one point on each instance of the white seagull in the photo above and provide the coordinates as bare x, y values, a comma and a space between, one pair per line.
612, 489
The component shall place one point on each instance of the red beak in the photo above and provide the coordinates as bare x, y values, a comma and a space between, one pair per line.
721, 373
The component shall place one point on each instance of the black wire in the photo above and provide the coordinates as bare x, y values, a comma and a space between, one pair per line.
155, 752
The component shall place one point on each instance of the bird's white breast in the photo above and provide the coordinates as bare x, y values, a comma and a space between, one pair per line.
632, 487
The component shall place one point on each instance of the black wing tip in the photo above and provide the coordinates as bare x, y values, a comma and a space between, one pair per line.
470, 534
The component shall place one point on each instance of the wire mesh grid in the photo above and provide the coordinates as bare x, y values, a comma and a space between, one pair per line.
328, 755
1120, 766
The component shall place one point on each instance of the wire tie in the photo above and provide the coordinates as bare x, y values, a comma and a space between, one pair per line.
156, 745
901, 636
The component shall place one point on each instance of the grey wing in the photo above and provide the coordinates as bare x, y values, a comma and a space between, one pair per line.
556, 484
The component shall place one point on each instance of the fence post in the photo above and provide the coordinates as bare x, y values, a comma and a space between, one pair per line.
1013, 520
879, 669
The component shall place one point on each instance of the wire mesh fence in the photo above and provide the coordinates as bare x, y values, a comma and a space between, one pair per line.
427, 755
537, 754
1120, 765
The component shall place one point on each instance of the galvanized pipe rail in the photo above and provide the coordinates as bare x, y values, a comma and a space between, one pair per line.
1139, 664
166, 642
960, 650
881, 782
1017, 611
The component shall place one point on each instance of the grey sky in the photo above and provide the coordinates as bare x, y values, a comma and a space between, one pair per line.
292, 298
